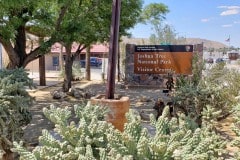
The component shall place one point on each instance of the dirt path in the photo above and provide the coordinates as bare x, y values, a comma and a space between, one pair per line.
224, 127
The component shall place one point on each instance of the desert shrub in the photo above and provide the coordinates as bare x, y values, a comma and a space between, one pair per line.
218, 89
92, 138
197, 68
226, 85
76, 71
14, 106
236, 129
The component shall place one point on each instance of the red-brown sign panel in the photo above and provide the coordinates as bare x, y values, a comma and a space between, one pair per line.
163, 59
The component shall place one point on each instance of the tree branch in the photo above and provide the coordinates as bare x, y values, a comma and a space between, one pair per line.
38, 52
10, 51
79, 50
61, 16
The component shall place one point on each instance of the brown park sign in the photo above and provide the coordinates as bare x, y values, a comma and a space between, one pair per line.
163, 59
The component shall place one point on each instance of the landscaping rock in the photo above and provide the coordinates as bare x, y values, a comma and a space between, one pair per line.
58, 94
79, 93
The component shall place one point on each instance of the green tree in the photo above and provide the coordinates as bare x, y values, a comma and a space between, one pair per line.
19, 18
155, 14
164, 35
92, 25
66, 21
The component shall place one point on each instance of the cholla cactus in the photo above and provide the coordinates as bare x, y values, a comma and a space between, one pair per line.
92, 138
14, 107
84, 139
236, 130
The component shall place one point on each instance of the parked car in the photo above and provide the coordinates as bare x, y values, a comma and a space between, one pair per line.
218, 60
94, 61
209, 60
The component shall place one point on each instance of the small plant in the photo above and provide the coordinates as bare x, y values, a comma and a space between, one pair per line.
14, 108
76, 72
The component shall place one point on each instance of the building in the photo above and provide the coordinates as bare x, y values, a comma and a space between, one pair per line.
52, 60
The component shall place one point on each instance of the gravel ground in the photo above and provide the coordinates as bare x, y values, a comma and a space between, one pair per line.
141, 99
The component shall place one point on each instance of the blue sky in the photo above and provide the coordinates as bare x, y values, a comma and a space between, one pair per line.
207, 19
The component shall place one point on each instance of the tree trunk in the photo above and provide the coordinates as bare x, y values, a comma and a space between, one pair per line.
67, 84
61, 58
18, 59
14, 60
42, 73
88, 71
9, 155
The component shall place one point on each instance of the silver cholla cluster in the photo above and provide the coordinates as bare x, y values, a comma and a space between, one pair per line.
90, 137
14, 107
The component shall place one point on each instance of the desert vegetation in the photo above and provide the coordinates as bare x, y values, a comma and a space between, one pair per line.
192, 133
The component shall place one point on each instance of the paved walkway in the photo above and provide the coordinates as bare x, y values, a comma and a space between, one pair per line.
54, 78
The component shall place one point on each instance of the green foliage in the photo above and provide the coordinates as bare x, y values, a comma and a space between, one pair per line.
14, 106
93, 138
218, 90
236, 130
85, 22
227, 79
197, 68
154, 13
226, 83
191, 99
76, 71
35, 15
164, 34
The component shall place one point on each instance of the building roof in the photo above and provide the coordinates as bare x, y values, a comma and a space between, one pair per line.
95, 48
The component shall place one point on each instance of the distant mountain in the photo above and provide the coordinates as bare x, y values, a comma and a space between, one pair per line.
206, 43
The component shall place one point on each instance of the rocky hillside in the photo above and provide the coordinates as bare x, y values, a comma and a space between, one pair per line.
206, 43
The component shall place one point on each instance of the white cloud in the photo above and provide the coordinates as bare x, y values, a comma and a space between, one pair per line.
205, 20
236, 22
229, 10
227, 25
234, 7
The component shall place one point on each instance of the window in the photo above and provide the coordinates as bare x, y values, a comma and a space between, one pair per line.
55, 61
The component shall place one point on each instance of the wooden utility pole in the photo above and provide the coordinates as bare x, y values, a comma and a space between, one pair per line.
42, 73
113, 49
